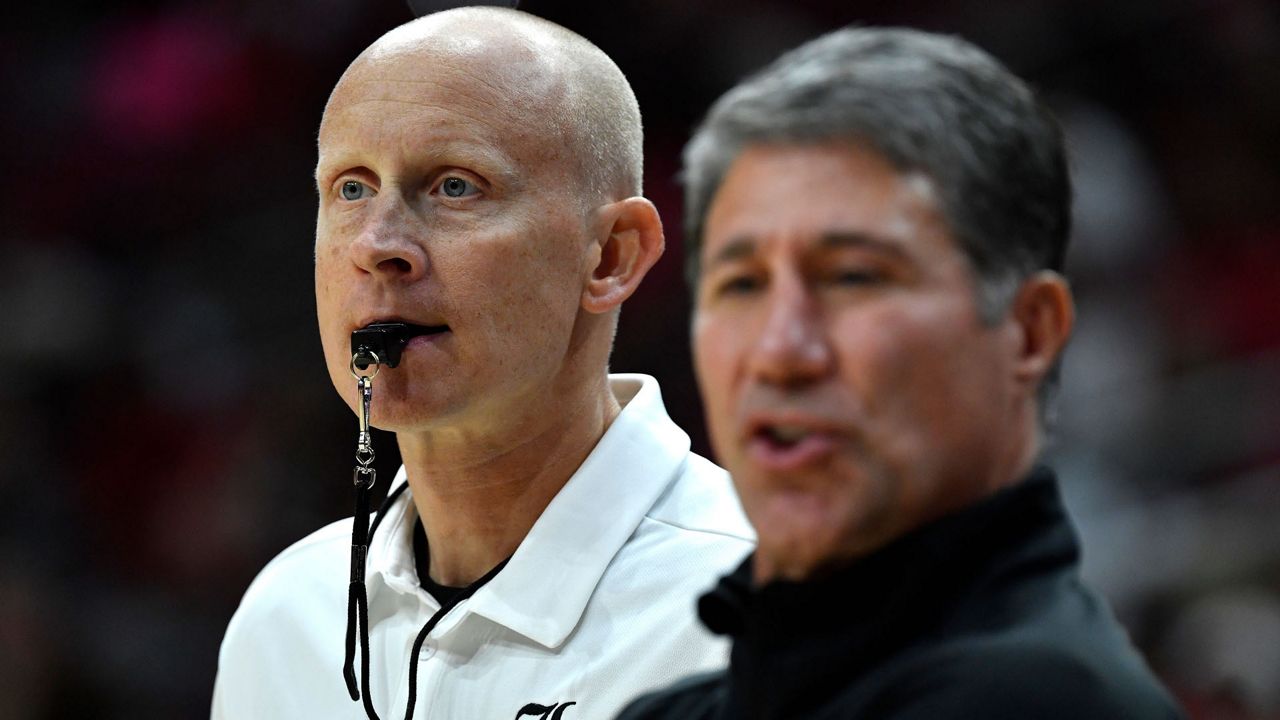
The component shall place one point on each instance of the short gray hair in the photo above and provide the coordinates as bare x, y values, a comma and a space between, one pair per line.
928, 103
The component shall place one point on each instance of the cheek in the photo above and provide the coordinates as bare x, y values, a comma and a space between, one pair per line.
521, 289
877, 357
922, 377
328, 258
891, 361
525, 282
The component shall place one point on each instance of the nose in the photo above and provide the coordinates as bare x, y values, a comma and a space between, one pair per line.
389, 245
792, 347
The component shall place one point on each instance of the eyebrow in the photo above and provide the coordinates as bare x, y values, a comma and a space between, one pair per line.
745, 245
494, 163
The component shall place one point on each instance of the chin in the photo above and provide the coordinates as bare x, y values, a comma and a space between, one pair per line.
792, 558
400, 409
794, 542
401, 418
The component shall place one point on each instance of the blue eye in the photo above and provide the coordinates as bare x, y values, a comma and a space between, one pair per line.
456, 187
355, 190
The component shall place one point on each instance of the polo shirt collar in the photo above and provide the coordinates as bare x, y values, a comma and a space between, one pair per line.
544, 589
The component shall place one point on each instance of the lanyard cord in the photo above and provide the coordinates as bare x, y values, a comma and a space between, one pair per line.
358, 602
445, 606
390, 338
357, 594
364, 477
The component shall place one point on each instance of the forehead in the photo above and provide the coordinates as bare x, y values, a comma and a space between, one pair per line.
400, 94
795, 196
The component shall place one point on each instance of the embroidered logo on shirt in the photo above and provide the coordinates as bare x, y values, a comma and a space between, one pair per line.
544, 712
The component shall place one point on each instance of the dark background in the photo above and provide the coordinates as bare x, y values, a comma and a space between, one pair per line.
167, 426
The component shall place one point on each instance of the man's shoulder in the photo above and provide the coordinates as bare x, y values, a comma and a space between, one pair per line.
311, 556
698, 697
1000, 679
288, 625
1016, 676
701, 502
301, 573
690, 536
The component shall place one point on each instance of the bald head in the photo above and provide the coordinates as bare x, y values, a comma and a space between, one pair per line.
540, 76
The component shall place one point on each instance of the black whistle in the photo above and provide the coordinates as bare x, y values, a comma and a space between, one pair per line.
383, 340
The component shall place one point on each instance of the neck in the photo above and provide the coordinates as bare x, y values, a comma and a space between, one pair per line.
1021, 451
479, 492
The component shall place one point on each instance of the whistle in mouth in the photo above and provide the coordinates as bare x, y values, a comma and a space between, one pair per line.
385, 341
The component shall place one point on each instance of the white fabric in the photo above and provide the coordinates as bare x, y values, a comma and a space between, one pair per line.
595, 607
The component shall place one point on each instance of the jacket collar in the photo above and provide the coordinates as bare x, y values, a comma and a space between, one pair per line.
934, 577
544, 589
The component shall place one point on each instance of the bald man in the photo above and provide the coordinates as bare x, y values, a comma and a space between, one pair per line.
479, 177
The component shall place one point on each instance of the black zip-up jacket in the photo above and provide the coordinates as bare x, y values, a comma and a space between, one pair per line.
978, 615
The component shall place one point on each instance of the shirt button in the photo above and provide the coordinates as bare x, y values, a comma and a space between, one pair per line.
428, 649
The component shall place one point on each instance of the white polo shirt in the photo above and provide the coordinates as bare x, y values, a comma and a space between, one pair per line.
595, 607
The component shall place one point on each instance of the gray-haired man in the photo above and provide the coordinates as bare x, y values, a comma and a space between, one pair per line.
879, 221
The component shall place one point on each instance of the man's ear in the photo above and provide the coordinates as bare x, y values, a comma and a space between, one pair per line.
1045, 313
629, 241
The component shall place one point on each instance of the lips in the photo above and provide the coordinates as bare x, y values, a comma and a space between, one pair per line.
785, 434
788, 444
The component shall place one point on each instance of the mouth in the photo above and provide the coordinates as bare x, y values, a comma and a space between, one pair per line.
782, 434
783, 446
385, 340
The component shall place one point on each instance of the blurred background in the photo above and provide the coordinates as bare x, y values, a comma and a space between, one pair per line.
167, 426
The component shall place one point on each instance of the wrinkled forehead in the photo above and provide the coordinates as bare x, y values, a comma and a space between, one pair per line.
810, 190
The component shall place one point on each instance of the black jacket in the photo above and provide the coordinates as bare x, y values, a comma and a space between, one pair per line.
978, 615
